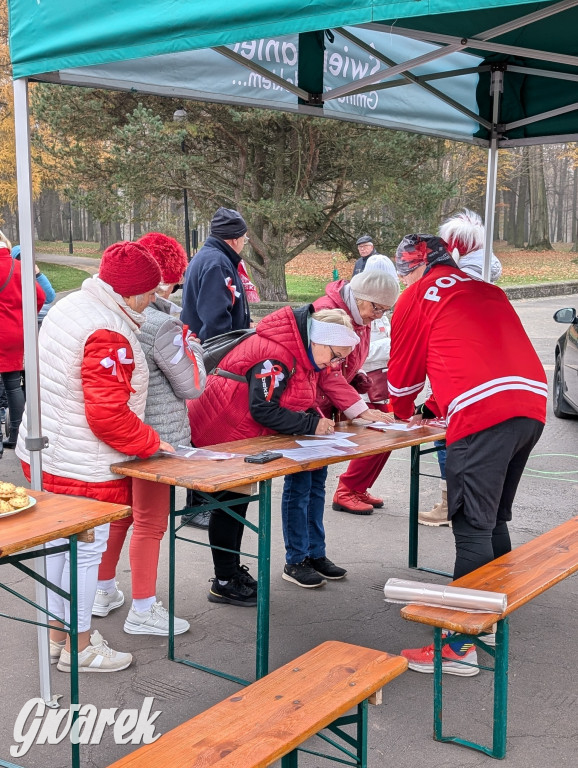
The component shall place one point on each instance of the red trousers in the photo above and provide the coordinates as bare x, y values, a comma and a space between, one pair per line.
150, 516
361, 474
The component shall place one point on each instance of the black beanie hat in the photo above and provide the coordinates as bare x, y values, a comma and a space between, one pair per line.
228, 224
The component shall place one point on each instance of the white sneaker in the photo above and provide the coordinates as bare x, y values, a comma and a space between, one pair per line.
96, 657
155, 621
55, 650
105, 602
489, 639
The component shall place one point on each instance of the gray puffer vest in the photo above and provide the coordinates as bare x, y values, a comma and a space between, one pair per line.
172, 373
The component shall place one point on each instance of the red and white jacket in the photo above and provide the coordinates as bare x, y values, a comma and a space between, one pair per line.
466, 337
93, 388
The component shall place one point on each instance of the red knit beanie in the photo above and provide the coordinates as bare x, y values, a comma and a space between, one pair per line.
169, 255
129, 269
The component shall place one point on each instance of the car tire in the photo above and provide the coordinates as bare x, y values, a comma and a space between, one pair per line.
561, 408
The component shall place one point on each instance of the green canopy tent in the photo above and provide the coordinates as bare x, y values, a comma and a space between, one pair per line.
498, 73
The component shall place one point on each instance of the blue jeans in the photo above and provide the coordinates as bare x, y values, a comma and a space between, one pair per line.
302, 508
441, 444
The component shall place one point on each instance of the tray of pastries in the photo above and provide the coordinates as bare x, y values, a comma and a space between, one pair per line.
14, 499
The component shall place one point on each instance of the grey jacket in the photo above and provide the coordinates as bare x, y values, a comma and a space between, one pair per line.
172, 374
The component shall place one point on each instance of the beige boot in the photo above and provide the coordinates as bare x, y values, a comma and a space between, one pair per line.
439, 514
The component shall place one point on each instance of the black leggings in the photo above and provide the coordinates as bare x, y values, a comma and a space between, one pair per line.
225, 531
475, 546
12, 381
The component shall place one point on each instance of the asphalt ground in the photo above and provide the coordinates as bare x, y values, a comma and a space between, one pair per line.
543, 691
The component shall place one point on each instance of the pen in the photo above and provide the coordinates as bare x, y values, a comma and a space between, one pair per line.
319, 411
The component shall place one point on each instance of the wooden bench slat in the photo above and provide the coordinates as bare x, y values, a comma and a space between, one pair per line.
522, 574
269, 718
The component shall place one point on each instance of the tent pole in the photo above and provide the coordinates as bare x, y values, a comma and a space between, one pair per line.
30, 320
496, 88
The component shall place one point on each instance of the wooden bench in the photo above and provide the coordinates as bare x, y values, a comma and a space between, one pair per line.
270, 718
522, 574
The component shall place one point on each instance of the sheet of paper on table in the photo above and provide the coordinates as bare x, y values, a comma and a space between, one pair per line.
334, 436
314, 442
324, 451
399, 426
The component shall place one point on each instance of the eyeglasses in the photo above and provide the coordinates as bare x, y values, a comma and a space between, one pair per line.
335, 357
379, 311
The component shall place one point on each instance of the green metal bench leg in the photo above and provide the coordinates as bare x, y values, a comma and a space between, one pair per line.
438, 686
291, 760
264, 580
501, 688
413, 506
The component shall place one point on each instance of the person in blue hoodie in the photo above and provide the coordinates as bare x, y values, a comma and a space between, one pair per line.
43, 282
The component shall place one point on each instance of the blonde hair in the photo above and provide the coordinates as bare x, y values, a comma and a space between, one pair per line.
338, 316
5, 240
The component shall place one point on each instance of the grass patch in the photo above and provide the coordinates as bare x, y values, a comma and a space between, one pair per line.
63, 278
80, 247
304, 288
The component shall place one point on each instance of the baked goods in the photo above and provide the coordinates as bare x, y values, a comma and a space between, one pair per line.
7, 490
12, 498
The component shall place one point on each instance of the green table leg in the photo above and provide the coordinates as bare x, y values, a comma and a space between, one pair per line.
264, 580
172, 553
362, 733
501, 689
413, 506
74, 694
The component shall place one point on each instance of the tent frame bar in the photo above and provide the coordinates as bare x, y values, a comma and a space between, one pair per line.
345, 90
254, 67
408, 76
34, 442
542, 116
474, 43
496, 89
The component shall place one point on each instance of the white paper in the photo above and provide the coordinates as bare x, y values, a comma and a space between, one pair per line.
382, 426
327, 450
335, 436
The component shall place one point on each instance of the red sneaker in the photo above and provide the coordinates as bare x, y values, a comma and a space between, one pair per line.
421, 660
349, 501
367, 498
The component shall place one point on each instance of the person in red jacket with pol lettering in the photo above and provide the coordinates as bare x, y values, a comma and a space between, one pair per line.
490, 387
93, 387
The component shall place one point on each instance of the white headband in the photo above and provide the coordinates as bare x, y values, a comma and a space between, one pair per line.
332, 333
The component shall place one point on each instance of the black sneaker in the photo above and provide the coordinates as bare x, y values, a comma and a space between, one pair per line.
326, 568
233, 592
245, 577
303, 575
200, 520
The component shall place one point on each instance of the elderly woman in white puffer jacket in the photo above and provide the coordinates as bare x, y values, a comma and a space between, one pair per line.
176, 374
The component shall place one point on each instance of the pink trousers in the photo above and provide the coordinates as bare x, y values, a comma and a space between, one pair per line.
150, 515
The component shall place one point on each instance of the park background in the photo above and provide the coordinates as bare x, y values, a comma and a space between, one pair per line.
109, 166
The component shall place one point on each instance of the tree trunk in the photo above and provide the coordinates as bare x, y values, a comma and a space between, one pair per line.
106, 234
271, 284
520, 230
539, 238
561, 192
575, 212
49, 216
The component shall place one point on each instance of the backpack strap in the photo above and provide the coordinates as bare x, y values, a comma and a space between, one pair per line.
8, 278
229, 375
238, 377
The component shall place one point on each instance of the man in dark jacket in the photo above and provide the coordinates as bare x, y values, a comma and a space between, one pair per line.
366, 249
214, 300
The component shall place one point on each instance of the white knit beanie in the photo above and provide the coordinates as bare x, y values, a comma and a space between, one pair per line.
325, 332
376, 286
